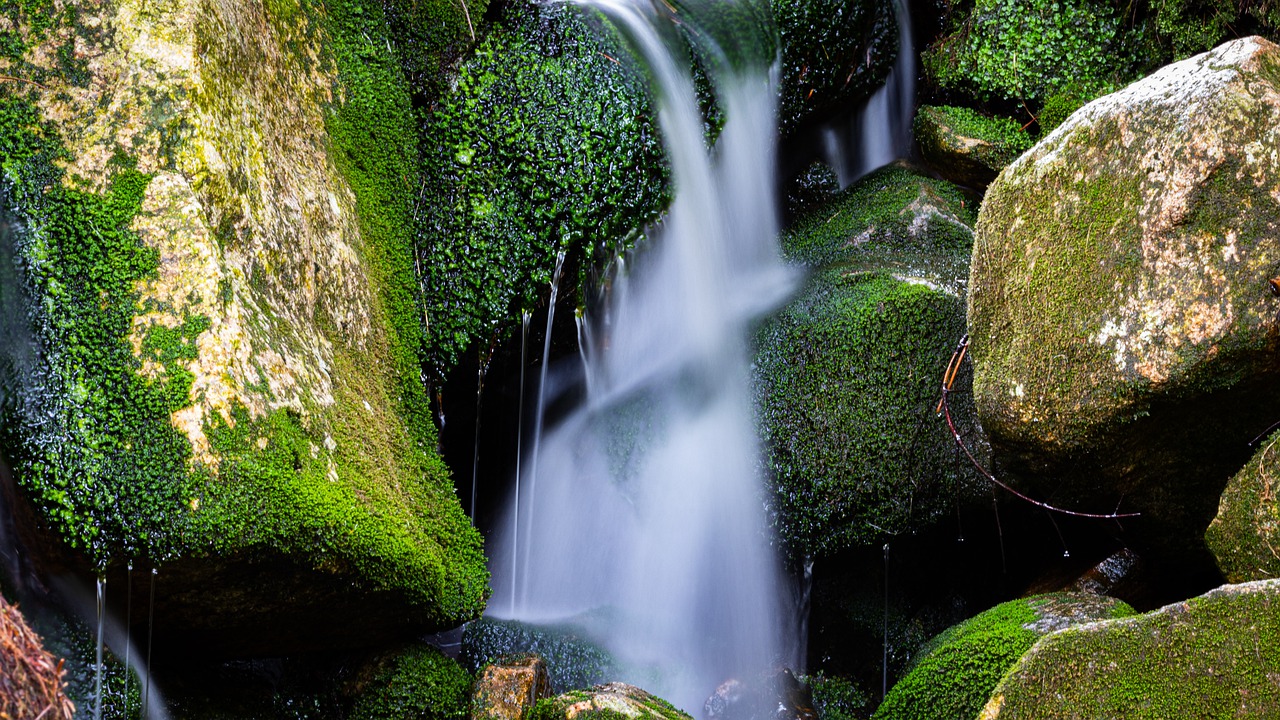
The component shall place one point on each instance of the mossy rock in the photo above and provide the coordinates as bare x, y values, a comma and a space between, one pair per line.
848, 374
1027, 50
1121, 319
967, 147
613, 701
419, 683
213, 237
547, 143
1245, 534
573, 661
834, 53
957, 670
1216, 655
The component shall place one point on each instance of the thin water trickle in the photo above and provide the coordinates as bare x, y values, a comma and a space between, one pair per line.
128, 618
646, 524
537, 427
151, 623
515, 516
881, 132
97, 666
475, 453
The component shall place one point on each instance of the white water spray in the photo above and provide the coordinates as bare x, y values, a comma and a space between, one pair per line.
649, 508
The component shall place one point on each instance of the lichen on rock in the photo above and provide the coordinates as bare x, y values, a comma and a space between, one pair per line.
1121, 319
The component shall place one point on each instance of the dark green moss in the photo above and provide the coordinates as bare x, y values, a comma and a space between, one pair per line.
834, 53
848, 374
835, 698
1213, 656
546, 144
573, 662
958, 669
420, 684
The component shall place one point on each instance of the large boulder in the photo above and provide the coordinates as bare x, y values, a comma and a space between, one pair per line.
1244, 536
1217, 655
957, 670
1122, 321
849, 373
209, 212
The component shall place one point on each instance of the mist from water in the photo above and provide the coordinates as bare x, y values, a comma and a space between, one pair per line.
649, 523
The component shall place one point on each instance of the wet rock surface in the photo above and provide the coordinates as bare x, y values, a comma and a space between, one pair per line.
1122, 323
510, 687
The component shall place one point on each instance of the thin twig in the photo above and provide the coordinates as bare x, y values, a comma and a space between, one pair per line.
11, 78
946, 410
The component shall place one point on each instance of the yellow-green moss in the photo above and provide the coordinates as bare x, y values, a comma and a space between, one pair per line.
1213, 656
1245, 535
958, 669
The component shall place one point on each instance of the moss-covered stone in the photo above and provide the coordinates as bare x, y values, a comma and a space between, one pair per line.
965, 146
547, 143
1028, 49
848, 374
1119, 307
614, 701
420, 683
573, 662
958, 669
510, 687
834, 53
1245, 535
1216, 655
214, 238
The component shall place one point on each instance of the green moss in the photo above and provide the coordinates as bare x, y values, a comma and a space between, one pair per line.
835, 698
899, 210
1245, 534
573, 662
1066, 100
420, 684
623, 702
546, 144
1213, 656
834, 52
958, 669
92, 441
968, 144
1029, 49
847, 375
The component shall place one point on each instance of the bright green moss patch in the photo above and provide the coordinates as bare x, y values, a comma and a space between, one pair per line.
614, 701
1029, 49
547, 143
958, 669
419, 684
1217, 655
91, 439
967, 146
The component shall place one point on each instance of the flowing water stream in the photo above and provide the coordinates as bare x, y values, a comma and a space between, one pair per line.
649, 524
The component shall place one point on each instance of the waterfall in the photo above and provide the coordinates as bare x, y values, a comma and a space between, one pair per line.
881, 132
650, 506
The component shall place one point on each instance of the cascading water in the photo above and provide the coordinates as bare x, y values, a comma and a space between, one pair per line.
881, 131
649, 509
